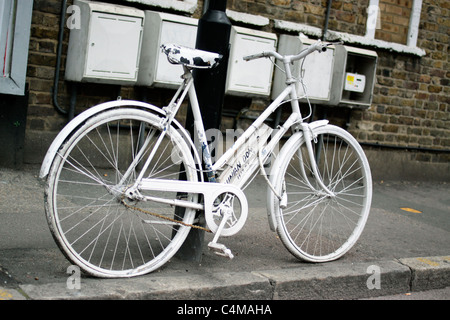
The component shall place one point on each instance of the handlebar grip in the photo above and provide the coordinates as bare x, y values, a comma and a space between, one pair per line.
254, 56
324, 46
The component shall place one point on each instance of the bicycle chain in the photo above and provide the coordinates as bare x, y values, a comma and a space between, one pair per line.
165, 218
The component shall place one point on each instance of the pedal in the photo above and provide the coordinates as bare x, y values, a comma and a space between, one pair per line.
220, 250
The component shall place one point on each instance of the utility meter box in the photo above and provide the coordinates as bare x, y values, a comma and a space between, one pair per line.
341, 76
316, 71
355, 80
162, 28
250, 78
105, 48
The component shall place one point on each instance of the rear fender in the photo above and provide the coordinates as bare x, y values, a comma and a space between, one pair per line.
91, 112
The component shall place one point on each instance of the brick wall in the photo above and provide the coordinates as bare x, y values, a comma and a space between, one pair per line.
41, 66
411, 97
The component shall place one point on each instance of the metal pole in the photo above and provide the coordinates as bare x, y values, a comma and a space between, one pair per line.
213, 34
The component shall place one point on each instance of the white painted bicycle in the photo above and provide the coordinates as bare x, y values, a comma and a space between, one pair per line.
125, 182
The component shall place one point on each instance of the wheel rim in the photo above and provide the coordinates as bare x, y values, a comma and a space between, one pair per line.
92, 226
317, 226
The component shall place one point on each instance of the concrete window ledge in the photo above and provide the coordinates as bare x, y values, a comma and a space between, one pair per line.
179, 5
255, 20
348, 38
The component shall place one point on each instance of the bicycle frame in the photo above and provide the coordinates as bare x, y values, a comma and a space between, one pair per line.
294, 121
187, 88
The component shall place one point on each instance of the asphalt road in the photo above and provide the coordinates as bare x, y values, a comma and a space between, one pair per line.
29, 255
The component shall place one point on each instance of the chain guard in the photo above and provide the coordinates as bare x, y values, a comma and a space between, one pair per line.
211, 193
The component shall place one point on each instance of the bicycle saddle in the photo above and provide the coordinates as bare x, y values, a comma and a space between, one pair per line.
192, 58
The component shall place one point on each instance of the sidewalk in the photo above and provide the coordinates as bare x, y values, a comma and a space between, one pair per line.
399, 252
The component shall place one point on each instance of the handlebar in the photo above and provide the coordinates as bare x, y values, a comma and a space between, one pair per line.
317, 46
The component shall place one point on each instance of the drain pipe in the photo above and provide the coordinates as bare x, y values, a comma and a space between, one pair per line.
70, 113
58, 59
327, 19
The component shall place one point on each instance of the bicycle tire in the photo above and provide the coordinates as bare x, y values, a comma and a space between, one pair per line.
85, 210
315, 227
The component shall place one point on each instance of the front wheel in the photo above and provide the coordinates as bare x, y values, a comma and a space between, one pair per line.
92, 220
314, 225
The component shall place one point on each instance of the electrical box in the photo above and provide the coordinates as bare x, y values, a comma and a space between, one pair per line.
316, 71
250, 78
162, 28
341, 76
106, 46
355, 80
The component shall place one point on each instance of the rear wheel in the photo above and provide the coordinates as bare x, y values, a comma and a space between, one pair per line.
94, 224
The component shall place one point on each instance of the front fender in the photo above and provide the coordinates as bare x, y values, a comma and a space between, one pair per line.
91, 112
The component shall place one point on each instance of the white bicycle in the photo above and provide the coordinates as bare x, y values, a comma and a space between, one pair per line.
125, 181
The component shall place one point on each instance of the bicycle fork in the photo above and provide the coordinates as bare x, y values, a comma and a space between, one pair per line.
309, 137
